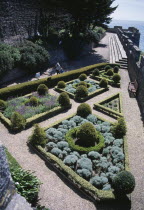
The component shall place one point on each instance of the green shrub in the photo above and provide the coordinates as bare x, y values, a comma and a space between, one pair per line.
123, 183
87, 135
103, 83
17, 122
84, 110
64, 99
33, 101
42, 89
116, 78
38, 137
61, 84
82, 77
81, 92
3, 105
116, 69
119, 129
107, 67
96, 72
110, 72
82, 83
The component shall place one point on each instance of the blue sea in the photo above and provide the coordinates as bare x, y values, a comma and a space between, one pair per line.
126, 23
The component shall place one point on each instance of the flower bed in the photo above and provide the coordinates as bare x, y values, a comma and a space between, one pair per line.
111, 106
92, 171
93, 89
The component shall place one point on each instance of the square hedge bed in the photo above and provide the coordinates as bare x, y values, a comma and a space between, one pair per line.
111, 106
47, 106
104, 75
93, 89
90, 171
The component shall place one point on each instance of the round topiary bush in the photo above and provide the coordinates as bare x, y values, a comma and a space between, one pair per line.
81, 92
82, 83
106, 68
42, 89
123, 183
84, 110
119, 129
116, 78
87, 135
110, 72
3, 105
33, 101
96, 72
17, 122
61, 84
116, 69
82, 77
64, 99
103, 83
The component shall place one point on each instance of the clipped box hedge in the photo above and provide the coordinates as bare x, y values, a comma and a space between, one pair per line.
81, 184
27, 87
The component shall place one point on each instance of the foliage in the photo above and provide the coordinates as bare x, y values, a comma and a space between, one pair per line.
96, 72
61, 84
42, 89
81, 92
99, 181
116, 78
85, 173
103, 83
17, 122
82, 83
123, 183
87, 135
38, 136
119, 129
107, 67
33, 101
3, 105
84, 110
110, 72
94, 155
116, 69
82, 77
85, 163
70, 160
64, 99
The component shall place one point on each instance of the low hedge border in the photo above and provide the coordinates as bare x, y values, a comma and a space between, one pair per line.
112, 113
80, 149
80, 183
27, 87
90, 95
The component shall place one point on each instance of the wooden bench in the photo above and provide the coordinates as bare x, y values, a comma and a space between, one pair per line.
133, 87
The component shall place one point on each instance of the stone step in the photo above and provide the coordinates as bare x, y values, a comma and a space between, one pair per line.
116, 57
123, 53
118, 48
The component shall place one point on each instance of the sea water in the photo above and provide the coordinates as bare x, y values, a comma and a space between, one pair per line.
129, 23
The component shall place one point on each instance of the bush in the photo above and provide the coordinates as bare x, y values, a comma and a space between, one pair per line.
82, 77
42, 89
87, 135
3, 105
85, 173
81, 92
96, 72
119, 129
82, 83
106, 68
116, 78
110, 72
17, 122
123, 183
103, 83
61, 84
116, 69
84, 110
64, 99
33, 101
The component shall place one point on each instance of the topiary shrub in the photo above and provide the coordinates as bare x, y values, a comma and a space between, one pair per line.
42, 89
17, 122
87, 135
110, 72
82, 83
3, 105
106, 68
38, 137
123, 183
64, 99
82, 77
84, 110
116, 78
81, 92
61, 84
119, 129
95, 72
33, 101
103, 83
116, 69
